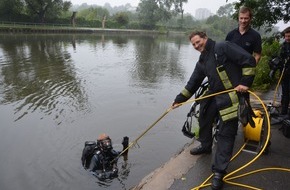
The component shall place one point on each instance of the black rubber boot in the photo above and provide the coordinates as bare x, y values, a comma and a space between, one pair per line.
200, 150
217, 181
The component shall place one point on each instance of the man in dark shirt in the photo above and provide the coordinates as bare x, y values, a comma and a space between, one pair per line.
245, 36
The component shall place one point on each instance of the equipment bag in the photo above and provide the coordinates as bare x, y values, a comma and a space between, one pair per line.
286, 128
187, 128
190, 129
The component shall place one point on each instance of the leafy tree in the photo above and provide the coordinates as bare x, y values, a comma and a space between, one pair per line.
189, 19
132, 16
178, 6
266, 12
188, 22
94, 13
121, 8
152, 11
226, 10
222, 24
46, 8
148, 13
11, 9
122, 18
165, 9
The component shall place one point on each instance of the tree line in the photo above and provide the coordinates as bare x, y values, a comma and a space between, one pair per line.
149, 14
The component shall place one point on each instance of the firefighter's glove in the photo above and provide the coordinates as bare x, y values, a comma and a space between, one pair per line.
245, 112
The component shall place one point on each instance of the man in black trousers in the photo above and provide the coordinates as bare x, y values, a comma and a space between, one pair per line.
227, 66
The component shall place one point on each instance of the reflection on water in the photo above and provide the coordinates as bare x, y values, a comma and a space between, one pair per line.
38, 75
58, 91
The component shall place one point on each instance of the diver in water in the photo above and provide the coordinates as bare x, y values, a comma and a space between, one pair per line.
101, 159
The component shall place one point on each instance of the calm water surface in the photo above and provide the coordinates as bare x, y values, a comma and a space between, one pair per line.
58, 91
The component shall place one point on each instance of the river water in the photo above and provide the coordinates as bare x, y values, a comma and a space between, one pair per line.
58, 91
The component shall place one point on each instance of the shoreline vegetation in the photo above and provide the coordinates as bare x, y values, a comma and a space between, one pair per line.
36, 28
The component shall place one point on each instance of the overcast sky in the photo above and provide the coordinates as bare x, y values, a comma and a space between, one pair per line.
190, 7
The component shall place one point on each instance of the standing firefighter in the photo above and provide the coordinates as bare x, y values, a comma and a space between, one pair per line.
227, 66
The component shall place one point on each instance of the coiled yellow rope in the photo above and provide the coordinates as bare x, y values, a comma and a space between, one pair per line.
229, 177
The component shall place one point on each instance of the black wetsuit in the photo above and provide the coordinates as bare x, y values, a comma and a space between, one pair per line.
102, 163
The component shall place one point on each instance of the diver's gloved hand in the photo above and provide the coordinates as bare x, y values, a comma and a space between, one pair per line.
125, 143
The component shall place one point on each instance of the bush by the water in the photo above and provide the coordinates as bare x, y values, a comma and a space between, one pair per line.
262, 80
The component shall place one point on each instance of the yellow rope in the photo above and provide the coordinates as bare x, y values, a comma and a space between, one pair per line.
228, 177
205, 184
166, 112
150, 127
